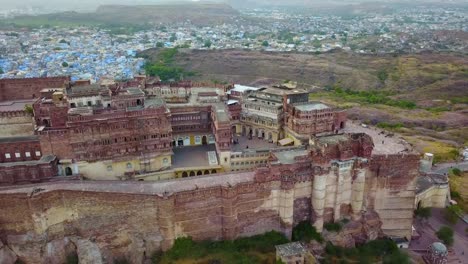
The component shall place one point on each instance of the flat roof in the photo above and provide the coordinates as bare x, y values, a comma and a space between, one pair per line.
15, 105
290, 249
384, 142
312, 106
159, 188
154, 102
134, 91
425, 182
288, 156
280, 91
243, 88
18, 139
44, 160
221, 112
194, 156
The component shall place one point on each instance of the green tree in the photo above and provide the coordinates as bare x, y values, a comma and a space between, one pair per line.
455, 171
317, 44
28, 109
159, 45
333, 227
63, 41
382, 75
207, 43
423, 212
166, 73
265, 43
64, 64
304, 231
451, 214
1, 71
445, 234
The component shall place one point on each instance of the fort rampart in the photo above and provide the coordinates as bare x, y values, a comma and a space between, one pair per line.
134, 219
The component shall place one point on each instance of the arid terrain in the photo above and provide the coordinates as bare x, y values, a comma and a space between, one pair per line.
436, 83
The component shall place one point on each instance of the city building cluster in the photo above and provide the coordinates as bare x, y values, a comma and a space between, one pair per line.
93, 53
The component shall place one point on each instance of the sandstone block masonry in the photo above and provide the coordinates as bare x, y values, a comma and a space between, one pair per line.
111, 220
29, 88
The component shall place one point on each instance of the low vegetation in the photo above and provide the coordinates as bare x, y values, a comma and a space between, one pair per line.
370, 97
334, 227
445, 234
376, 251
457, 186
452, 214
163, 67
256, 249
423, 212
305, 232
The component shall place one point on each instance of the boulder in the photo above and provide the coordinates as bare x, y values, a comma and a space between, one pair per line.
56, 251
27, 247
7, 256
88, 252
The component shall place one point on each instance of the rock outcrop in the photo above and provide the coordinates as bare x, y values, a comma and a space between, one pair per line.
357, 232
7, 256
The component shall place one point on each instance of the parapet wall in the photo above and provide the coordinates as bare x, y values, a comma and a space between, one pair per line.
28, 88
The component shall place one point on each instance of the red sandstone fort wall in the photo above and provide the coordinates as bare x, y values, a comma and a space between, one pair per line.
121, 224
27, 88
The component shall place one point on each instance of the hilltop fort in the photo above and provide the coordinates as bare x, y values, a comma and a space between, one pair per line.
125, 168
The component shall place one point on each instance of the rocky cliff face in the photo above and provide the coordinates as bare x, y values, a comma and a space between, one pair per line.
368, 228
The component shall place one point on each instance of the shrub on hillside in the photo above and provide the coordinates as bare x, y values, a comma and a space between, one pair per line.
304, 231
336, 227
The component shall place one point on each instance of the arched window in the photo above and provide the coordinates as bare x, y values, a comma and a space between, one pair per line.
165, 161
129, 165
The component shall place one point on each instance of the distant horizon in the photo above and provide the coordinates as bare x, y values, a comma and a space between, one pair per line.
90, 5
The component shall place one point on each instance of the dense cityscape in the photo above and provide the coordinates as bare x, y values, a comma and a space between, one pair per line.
91, 53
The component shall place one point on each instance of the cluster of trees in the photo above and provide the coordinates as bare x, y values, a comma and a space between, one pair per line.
235, 251
163, 68
376, 251
305, 232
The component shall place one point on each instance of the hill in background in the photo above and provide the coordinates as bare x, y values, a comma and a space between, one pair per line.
199, 13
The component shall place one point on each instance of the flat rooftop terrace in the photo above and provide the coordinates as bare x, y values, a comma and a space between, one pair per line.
159, 188
384, 141
15, 105
193, 156
254, 143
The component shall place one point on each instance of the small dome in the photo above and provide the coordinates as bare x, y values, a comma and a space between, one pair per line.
439, 248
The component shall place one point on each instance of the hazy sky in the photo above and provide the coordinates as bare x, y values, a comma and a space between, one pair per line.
92, 4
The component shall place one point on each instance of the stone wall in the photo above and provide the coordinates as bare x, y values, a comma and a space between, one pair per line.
19, 124
390, 191
27, 88
133, 219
